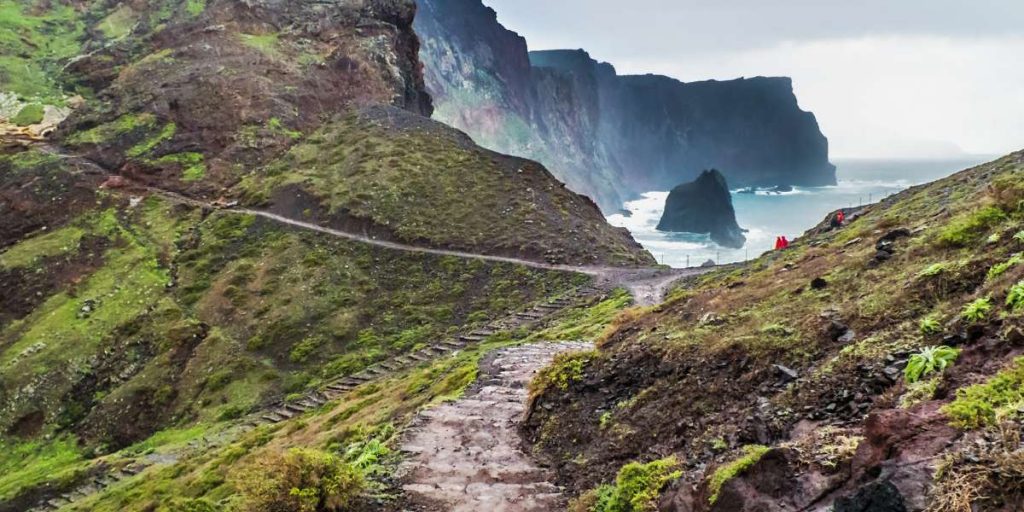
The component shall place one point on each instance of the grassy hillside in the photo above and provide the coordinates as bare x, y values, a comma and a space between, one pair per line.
140, 320
874, 364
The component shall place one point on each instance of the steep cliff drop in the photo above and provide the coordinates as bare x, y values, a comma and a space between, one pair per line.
608, 136
703, 206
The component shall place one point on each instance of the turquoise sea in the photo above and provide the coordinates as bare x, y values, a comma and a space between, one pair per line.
768, 215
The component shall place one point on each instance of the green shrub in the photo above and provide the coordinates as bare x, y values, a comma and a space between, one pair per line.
1015, 297
1000, 268
302, 350
928, 361
566, 369
300, 480
636, 489
930, 325
751, 454
29, 114
977, 310
984, 404
968, 229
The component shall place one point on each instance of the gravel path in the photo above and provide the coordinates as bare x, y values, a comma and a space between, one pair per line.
467, 455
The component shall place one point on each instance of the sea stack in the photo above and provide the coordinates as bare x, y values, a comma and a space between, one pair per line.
703, 206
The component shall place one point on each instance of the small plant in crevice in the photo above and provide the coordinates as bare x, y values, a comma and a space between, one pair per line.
1015, 297
1000, 268
751, 454
933, 270
930, 325
928, 361
977, 310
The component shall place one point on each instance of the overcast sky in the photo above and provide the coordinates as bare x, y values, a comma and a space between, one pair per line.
885, 77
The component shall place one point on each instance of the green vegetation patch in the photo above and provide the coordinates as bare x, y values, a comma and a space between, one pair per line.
26, 463
105, 133
564, 370
193, 165
29, 114
119, 23
268, 44
303, 480
637, 488
150, 143
35, 40
971, 228
929, 361
984, 404
31, 251
977, 310
751, 454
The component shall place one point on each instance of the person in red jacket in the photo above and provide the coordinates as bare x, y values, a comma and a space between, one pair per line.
785, 243
778, 243
842, 217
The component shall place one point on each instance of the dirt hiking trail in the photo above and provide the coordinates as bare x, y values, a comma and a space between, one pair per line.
467, 455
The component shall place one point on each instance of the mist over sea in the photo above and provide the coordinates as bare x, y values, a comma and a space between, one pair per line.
767, 216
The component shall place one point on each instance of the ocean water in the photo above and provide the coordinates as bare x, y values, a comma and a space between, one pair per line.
766, 215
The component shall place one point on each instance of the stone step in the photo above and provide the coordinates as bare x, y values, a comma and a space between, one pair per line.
419, 357
285, 413
483, 332
377, 371
273, 417
453, 344
389, 365
296, 408
405, 360
471, 338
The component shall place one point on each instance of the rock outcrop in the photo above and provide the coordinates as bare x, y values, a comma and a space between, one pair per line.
703, 206
609, 136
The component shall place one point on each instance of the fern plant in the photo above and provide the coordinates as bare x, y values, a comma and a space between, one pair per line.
933, 270
977, 310
930, 325
1000, 268
1015, 297
928, 361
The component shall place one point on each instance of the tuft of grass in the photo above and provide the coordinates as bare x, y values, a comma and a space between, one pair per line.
928, 361
978, 310
984, 404
751, 454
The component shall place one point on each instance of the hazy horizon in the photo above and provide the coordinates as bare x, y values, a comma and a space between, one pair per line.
921, 79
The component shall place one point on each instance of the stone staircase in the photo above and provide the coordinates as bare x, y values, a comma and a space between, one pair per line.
284, 411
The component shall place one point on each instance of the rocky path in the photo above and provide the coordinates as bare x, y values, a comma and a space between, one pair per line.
467, 455
646, 284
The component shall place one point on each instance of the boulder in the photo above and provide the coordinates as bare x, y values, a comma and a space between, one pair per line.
703, 206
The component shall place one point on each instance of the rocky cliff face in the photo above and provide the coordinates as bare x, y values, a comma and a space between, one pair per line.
609, 136
703, 206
